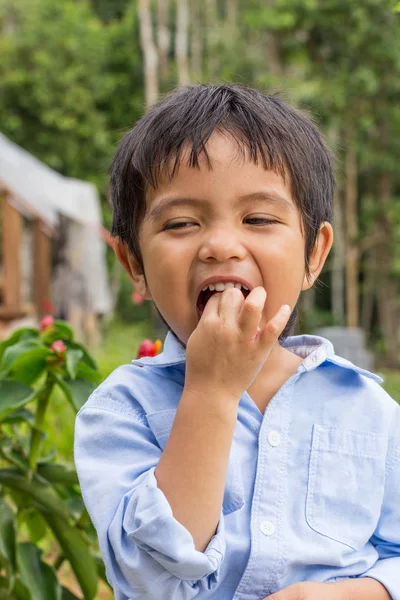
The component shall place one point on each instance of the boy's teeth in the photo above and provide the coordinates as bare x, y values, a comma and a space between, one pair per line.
220, 287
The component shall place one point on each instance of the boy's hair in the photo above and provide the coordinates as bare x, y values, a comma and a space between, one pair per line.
265, 128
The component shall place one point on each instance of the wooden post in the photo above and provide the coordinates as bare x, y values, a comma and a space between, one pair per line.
41, 267
12, 240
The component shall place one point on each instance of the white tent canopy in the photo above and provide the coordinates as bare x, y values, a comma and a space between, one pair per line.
39, 191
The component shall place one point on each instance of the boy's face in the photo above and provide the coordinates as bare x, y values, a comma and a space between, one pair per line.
236, 222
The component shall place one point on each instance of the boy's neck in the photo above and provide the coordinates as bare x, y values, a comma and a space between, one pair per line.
279, 367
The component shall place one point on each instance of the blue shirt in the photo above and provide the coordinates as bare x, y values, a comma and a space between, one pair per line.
312, 489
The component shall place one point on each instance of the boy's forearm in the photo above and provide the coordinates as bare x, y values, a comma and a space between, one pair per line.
362, 588
192, 469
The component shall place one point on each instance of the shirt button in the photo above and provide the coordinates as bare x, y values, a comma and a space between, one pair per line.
274, 438
267, 528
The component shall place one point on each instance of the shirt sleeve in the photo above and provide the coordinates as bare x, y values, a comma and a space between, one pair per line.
148, 554
386, 538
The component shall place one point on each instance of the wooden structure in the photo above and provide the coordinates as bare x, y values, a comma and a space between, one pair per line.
12, 304
34, 199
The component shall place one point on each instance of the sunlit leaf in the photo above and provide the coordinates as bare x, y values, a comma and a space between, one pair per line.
37, 576
34, 522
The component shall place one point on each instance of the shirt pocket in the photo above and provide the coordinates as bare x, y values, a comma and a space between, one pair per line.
161, 424
345, 484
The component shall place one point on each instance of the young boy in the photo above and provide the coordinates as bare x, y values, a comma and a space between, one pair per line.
240, 463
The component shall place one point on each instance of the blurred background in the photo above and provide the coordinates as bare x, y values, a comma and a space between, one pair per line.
75, 75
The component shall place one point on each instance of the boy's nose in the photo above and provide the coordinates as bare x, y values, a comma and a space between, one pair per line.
220, 246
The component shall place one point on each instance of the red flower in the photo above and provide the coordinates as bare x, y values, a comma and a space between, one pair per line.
46, 322
137, 298
58, 347
147, 348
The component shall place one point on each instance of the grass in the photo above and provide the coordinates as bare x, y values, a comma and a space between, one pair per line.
391, 383
120, 345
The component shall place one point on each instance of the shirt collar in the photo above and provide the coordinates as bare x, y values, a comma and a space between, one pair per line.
314, 349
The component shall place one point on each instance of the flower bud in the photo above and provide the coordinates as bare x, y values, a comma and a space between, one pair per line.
46, 322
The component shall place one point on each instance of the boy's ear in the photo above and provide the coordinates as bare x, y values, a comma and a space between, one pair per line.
132, 267
319, 254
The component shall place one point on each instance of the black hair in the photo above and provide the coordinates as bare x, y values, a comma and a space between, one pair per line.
265, 128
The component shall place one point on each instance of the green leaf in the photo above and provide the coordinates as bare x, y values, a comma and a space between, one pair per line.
20, 591
60, 330
38, 492
7, 534
28, 367
88, 374
13, 352
80, 391
13, 395
76, 391
73, 358
68, 595
58, 474
34, 522
38, 577
20, 334
86, 358
20, 416
77, 553
15, 456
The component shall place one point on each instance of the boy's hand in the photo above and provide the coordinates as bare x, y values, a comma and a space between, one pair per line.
308, 590
228, 348
363, 588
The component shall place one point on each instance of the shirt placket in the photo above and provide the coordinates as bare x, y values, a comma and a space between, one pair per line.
266, 558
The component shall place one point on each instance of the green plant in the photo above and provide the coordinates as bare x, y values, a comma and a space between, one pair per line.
38, 496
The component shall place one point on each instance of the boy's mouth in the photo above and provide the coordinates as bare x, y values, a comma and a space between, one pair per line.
217, 288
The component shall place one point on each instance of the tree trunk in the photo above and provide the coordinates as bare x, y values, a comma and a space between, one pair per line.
149, 53
274, 54
338, 263
369, 290
352, 251
338, 250
196, 47
181, 41
212, 29
231, 15
388, 304
163, 36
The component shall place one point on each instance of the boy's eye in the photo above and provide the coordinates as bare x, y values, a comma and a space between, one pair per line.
260, 221
180, 225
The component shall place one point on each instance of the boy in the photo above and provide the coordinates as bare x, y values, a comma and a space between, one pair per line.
240, 463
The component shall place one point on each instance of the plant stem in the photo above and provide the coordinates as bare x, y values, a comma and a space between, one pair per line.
58, 562
36, 435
